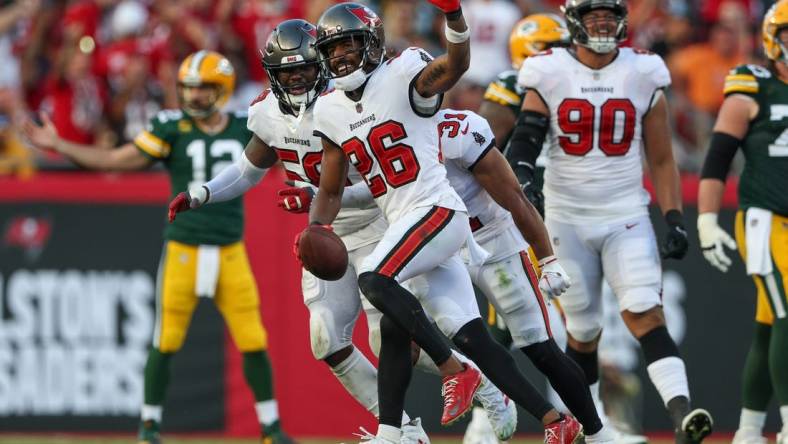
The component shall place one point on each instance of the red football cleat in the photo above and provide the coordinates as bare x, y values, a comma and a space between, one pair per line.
458, 391
565, 431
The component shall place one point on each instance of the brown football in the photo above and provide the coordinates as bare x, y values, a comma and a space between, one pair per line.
323, 253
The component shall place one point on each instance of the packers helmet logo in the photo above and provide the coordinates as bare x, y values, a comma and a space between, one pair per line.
528, 28
224, 67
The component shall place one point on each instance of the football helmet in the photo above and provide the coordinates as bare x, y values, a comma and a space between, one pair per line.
291, 45
206, 68
351, 21
775, 19
536, 33
574, 10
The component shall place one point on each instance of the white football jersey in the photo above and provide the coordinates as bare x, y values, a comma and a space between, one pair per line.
465, 138
393, 147
301, 153
595, 171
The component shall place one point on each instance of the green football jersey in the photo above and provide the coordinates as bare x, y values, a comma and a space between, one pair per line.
764, 181
504, 91
193, 157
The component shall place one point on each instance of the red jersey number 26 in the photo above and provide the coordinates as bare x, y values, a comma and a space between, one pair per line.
397, 161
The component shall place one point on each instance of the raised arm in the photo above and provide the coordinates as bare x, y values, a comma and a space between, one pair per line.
124, 158
443, 72
333, 174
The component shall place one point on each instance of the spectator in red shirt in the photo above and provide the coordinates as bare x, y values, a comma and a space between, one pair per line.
75, 97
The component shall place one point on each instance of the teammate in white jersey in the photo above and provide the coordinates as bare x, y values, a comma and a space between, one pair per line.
380, 118
282, 122
602, 106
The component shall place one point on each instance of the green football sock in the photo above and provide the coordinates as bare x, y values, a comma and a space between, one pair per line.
257, 370
778, 359
756, 383
157, 376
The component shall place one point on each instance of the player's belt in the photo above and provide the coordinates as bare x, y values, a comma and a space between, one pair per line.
475, 223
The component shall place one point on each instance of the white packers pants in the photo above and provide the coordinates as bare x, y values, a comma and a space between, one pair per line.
425, 243
624, 253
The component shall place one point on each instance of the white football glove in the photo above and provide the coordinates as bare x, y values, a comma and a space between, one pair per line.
554, 281
712, 239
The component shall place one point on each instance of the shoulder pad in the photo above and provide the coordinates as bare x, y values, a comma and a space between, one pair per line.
261, 97
744, 79
651, 66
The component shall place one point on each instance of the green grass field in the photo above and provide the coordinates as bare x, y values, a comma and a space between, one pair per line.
76, 439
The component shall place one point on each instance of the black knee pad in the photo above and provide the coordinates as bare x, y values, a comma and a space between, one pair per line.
657, 344
375, 286
544, 354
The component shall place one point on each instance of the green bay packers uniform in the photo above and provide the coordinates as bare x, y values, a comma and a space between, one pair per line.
764, 181
193, 157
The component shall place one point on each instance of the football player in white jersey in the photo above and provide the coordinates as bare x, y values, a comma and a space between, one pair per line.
602, 105
380, 118
282, 124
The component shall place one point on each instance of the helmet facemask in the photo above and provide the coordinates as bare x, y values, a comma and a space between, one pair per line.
595, 33
298, 93
200, 111
369, 52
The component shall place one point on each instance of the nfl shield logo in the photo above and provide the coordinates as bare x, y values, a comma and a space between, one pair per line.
359, 108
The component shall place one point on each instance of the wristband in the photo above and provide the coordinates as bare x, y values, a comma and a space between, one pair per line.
455, 37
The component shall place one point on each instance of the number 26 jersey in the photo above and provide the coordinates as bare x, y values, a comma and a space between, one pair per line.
595, 142
391, 141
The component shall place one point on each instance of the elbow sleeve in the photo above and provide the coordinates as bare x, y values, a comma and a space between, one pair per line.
718, 159
526, 142
234, 180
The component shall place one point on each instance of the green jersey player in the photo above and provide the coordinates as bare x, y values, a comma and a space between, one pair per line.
204, 254
754, 117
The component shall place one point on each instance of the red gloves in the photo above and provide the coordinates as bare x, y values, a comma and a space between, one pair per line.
295, 199
180, 204
447, 6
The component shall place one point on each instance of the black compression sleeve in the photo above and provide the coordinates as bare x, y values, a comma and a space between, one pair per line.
526, 143
718, 159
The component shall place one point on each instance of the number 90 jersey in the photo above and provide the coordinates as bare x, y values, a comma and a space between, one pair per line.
391, 140
301, 153
595, 171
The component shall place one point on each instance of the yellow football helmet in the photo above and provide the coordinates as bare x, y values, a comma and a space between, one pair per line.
207, 68
536, 33
776, 18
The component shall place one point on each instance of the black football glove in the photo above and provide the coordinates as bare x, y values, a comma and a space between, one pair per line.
676, 243
535, 196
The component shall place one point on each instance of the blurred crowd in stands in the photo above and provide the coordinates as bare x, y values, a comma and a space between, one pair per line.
102, 68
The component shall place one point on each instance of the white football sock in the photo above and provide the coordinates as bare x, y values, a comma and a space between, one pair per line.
389, 433
360, 379
151, 412
669, 377
784, 416
600, 408
752, 419
267, 411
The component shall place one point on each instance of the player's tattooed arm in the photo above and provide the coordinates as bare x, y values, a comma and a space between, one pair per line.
659, 156
333, 174
496, 176
443, 72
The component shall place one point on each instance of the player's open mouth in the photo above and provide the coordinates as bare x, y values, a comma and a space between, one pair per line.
344, 69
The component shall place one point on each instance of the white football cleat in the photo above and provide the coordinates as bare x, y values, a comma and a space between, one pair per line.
413, 433
606, 435
782, 437
622, 437
369, 438
501, 411
479, 430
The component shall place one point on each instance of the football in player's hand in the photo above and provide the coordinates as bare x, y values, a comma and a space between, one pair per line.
322, 252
